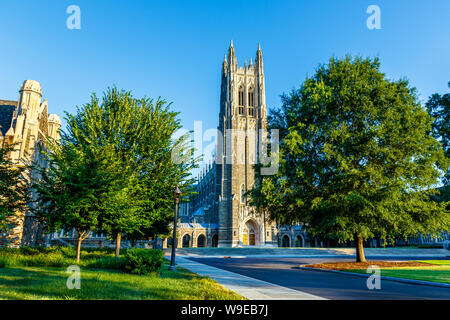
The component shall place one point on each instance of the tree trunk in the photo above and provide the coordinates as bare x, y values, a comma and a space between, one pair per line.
80, 238
360, 257
118, 238
133, 243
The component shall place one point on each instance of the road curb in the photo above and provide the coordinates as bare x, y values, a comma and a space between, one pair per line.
409, 281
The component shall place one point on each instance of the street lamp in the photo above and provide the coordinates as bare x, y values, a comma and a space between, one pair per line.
176, 196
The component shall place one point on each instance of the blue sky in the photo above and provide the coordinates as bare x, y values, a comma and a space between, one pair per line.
174, 49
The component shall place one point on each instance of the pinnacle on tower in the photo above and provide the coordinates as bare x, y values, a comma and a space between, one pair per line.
232, 57
230, 51
258, 52
259, 59
224, 64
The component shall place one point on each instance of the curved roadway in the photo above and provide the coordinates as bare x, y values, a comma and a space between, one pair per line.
284, 271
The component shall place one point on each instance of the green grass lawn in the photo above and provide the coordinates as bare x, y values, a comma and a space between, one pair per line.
438, 262
50, 283
438, 271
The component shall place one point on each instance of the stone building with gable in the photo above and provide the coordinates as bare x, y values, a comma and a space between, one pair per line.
26, 124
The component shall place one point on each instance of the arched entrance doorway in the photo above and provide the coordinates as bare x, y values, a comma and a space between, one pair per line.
201, 241
186, 241
250, 234
215, 241
285, 242
251, 238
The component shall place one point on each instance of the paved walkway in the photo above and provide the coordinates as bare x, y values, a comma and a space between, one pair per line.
252, 289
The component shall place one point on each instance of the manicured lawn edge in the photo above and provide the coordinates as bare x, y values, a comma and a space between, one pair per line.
403, 280
98, 279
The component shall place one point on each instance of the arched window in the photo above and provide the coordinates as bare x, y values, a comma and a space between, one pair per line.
241, 100
285, 241
201, 241
186, 241
299, 241
242, 193
215, 241
251, 103
251, 98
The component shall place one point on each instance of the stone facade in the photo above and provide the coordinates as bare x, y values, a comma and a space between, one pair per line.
221, 208
26, 124
197, 235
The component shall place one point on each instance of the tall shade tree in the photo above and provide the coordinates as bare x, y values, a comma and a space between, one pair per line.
13, 187
356, 158
139, 133
71, 189
438, 107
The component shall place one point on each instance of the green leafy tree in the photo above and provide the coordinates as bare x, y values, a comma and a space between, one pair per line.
122, 211
438, 107
356, 158
71, 189
139, 134
13, 187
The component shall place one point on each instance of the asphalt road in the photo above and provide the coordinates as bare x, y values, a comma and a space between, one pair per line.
285, 272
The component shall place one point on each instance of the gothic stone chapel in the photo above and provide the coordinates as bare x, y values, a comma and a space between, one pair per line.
220, 216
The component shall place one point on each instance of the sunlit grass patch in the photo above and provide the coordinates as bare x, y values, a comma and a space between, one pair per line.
434, 273
438, 262
40, 273
50, 283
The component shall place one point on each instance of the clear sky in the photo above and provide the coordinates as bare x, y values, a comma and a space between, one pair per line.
174, 49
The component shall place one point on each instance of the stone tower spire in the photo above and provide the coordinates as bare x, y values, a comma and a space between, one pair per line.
242, 115
232, 57
259, 60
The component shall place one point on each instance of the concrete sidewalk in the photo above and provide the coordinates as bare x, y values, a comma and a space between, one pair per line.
250, 288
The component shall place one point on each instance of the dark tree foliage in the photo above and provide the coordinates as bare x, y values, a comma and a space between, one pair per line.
438, 107
13, 187
71, 189
356, 158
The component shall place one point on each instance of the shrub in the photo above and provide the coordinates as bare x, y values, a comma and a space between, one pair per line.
50, 257
137, 261
28, 251
143, 261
